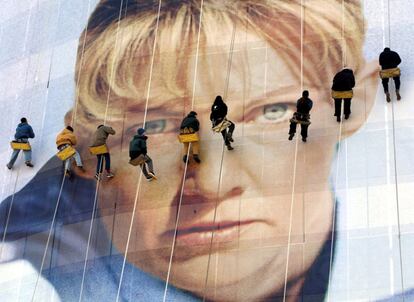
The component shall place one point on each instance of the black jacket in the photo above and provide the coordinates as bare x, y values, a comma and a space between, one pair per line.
389, 59
190, 122
344, 80
218, 111
304, 105
138, 146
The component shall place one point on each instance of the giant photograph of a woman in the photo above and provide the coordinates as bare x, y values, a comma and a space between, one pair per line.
251, 225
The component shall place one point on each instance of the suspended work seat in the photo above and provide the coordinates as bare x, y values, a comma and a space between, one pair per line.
16, 145
223, 125
188, 136
96, 150
66, 153
342, 94
390, 73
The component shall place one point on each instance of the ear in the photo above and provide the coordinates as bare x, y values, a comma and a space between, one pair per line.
68, 118
365, 93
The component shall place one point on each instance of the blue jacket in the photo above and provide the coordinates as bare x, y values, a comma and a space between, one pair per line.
24, 130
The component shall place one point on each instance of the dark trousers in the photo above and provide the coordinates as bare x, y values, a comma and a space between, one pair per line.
99, 166
397, 82
338, 106
303, 129
226, 133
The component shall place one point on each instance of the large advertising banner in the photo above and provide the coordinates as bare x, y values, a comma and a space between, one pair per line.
283, 192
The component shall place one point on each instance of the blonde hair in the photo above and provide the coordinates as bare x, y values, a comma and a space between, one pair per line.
275, 21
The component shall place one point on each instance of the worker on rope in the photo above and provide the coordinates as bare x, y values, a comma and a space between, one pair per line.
65, 141
100, 149
342, 85
389, 61
23, 132
189, 134
301, 116
138, 154
197, 217
220, 122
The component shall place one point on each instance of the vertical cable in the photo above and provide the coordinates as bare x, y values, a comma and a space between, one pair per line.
75, 109
49, 75
343, 46
387, 148
101, 159
302, 32
229, 65
56, 207
188, 154
29, 18
26, 34
8, 214
263, 136
245, 48
389, 22
48, 237
397, 200
347, 218
140, 176
30, 103
339, 145
395, 171
344, 63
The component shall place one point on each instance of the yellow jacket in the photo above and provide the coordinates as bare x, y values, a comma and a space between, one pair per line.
65, 137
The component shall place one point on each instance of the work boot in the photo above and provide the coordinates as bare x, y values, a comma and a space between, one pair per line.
68, 173
196, 158
152, 175
397, 92
29, 164
291, 136
388, 97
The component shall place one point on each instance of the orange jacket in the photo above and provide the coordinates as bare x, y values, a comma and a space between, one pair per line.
65, 137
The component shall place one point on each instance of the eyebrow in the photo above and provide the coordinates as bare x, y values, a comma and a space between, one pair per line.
171, 107
285, 92
175, 106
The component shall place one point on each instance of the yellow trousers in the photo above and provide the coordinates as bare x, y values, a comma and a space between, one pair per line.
195, 146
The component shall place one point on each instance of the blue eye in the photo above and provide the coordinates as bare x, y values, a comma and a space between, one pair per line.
155, 127
271, 113
274, 112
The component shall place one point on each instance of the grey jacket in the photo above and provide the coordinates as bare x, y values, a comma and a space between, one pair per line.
101, 135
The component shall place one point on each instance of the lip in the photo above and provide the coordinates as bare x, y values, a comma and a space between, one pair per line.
201, 233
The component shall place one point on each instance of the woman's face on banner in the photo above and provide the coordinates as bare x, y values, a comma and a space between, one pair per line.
239, 209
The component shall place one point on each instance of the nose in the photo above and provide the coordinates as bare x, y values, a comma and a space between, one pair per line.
196, 199
209, 181
206, 183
